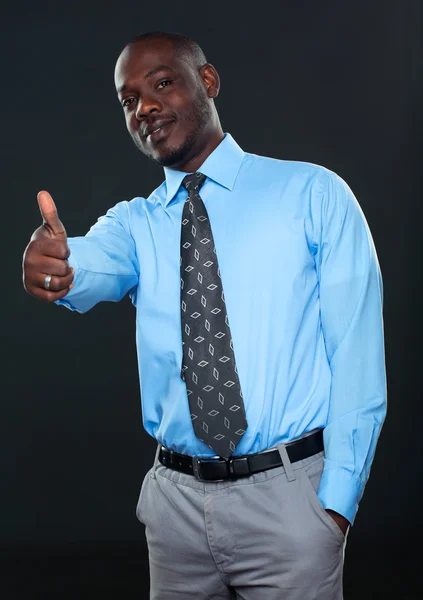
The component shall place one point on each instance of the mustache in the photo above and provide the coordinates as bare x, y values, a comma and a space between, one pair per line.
152, 123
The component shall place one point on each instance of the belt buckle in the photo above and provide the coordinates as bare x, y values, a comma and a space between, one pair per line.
242, 469
196, 467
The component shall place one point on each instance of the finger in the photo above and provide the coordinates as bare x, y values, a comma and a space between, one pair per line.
49, 295
35, 265
53, 266
54, 248
57, 284
49, 212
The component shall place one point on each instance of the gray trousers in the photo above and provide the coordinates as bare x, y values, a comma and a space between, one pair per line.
263, 537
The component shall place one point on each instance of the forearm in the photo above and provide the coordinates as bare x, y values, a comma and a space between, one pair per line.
99, 276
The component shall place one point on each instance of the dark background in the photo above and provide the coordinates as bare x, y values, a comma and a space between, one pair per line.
331, 82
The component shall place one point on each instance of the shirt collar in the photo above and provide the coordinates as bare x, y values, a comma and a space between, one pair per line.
222, 165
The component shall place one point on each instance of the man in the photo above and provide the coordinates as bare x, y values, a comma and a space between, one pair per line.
260, 340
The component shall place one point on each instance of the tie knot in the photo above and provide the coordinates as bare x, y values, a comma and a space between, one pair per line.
193, 182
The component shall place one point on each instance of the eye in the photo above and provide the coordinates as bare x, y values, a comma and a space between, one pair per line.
164, 83
127, 102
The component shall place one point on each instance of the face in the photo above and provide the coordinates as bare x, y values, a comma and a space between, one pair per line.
167, 101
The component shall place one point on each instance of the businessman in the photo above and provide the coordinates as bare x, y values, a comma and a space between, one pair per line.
259, 327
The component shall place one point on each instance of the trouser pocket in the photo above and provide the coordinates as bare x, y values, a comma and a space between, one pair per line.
140, 509
311, 475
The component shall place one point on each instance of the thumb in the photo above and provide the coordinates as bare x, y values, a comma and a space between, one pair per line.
49, 213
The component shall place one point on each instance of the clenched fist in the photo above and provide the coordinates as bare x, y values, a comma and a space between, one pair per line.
46, 254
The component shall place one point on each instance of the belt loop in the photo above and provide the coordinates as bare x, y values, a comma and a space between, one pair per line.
156, 461
286, 462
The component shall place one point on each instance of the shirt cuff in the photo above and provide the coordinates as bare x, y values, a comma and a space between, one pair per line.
66, 300
340, 491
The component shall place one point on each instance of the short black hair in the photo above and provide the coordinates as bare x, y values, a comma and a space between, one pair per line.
184, 46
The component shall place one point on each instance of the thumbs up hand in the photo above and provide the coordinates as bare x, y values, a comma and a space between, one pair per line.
46, 254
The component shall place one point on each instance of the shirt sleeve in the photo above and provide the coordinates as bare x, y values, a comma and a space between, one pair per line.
105, 262
351, 308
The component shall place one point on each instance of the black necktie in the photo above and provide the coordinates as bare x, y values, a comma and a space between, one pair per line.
208, 364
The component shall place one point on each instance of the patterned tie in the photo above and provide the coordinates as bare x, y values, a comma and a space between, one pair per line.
208, 365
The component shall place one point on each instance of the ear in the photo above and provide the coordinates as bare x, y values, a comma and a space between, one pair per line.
211, 80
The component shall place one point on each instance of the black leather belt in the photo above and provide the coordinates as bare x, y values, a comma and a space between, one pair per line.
220, 469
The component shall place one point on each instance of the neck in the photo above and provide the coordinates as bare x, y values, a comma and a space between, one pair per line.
199, 154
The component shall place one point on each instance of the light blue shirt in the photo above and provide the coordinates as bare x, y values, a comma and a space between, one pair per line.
303, 293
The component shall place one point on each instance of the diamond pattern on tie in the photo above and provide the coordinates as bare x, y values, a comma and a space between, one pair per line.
208, 364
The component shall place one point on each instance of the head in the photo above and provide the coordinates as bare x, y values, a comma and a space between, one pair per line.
166, 89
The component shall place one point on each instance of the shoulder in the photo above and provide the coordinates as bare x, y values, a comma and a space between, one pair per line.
314, 186
129, 213
140, 205
286, 171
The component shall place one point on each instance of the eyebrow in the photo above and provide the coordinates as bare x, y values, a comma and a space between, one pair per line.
123, 87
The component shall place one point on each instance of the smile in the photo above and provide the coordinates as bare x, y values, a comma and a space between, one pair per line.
159, 133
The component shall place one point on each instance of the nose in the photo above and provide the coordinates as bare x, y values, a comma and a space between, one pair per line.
147, 106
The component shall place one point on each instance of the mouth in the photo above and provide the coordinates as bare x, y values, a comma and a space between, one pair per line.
159, 132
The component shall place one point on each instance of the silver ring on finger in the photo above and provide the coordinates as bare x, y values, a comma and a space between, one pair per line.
47, 281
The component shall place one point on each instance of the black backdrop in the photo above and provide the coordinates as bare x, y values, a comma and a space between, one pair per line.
331, 82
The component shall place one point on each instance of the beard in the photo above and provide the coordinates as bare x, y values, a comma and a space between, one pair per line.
199, 117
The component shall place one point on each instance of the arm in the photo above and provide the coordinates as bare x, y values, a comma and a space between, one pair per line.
351, 302
104, 262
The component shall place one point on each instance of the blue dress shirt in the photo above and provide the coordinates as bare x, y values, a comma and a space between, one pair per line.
304, 298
